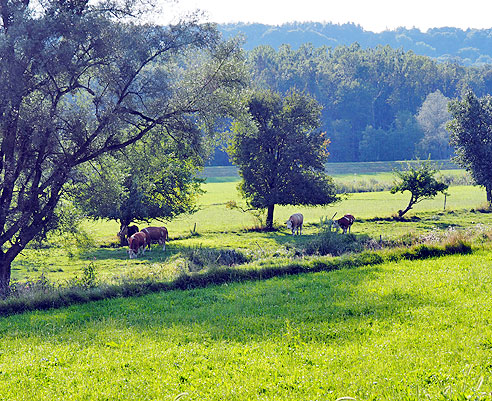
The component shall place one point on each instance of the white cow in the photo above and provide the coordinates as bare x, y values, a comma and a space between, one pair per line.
295, 223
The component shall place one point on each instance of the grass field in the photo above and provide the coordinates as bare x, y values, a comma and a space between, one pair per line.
215, 226
415, 330
407, 331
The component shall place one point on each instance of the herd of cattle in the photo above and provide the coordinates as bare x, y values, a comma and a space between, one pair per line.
139, 240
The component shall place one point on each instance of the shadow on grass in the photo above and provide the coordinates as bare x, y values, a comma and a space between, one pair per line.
121, 253
301, 308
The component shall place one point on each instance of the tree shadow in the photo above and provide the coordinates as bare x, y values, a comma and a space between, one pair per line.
320, 307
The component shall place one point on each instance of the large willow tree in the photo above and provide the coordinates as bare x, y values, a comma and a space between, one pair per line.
78, 80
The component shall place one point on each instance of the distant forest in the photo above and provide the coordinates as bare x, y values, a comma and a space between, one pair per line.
385, 95
467, 47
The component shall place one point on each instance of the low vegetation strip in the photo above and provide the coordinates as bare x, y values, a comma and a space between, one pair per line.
44, 295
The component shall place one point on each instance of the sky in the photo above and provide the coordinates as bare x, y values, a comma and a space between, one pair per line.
372, 15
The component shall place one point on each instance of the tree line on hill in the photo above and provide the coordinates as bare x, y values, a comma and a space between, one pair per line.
378, 104
446, 44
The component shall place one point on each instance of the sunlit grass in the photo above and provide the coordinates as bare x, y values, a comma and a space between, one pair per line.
406, 331
216, 226
396, 331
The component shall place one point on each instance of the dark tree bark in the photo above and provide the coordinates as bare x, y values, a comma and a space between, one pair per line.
269, 218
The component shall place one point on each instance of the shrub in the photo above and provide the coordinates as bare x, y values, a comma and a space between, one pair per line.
331, 243
197, 257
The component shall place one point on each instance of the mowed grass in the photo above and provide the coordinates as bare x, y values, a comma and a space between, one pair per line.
408, 331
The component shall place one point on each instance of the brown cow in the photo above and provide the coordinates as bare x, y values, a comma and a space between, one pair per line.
344, 223
156, 234
295, 223
126, 232
136, 244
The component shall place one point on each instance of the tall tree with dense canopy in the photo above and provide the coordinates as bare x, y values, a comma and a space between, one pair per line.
280, 152
79, 79
471, 136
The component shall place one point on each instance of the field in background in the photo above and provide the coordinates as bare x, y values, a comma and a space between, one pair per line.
215, 226
230, 173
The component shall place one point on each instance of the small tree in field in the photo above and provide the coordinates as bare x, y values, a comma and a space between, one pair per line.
281, 153
420, 182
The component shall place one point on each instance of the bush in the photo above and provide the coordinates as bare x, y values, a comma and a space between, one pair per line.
331, 243
197, 258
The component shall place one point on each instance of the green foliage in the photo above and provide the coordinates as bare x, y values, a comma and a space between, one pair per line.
331, 243
432, 117
280, 153
420, 182
80, 80
471, 135
89, 276
155, 180
370, 95
447, 45
198, 258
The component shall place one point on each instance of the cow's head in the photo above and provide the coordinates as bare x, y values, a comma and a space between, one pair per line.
335, 224
131, 253
289, 224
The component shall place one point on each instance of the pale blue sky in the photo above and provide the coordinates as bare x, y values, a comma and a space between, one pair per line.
374, 15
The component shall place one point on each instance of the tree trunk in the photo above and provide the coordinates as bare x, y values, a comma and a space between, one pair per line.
269, 219
123, 233
5, 269
488, 190
402, 212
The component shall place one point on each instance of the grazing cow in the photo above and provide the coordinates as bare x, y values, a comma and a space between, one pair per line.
136, 244
344, 223
156, 234
295, 223
126, 232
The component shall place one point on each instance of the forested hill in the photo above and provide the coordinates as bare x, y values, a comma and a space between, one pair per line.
467, 47
380, 100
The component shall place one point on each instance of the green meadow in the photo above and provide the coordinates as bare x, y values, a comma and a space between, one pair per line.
409, 331
216, 226
402, 330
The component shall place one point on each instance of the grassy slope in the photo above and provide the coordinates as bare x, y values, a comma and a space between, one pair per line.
407, 331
